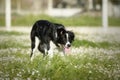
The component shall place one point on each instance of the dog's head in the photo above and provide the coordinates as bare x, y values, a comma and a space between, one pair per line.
65, 37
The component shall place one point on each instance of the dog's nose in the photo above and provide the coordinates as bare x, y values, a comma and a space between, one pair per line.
68, 45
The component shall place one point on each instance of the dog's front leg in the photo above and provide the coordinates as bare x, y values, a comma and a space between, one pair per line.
50, 51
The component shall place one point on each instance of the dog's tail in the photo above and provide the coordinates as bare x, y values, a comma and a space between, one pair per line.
32, 37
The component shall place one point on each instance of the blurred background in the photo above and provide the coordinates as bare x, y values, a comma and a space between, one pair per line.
67, 12
95, 50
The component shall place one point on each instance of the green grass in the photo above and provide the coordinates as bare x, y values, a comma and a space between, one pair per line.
15, 61
10, 33
2, 20
87, 43
114, 21
84, 66
28, 20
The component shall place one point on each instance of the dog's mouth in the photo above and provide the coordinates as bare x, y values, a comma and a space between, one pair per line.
66, 49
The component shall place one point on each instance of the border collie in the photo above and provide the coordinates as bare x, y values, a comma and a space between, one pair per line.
47, 31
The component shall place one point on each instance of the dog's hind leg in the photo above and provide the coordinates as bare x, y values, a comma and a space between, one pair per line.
46, 48
43, 47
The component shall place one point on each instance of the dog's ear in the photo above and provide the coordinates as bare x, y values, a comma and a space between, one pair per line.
72, 35
61, 31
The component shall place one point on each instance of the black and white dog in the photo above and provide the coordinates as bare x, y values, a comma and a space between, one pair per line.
47, 31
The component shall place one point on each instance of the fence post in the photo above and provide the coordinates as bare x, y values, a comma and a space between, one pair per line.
105, 14
90, 4
8, 14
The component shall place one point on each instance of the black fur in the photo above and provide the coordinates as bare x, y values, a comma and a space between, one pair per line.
47, 31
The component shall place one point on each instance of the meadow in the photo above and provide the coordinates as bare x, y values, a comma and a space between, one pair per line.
78, 20
95, 55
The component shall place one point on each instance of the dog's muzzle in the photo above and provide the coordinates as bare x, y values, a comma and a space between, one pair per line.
67, 45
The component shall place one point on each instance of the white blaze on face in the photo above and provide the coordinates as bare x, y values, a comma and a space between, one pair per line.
67, 38
67, 48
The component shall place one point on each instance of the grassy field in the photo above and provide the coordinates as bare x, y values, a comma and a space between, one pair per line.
95, 56
28, 20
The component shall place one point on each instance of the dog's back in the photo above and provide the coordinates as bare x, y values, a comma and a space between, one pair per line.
46, 32
44, 29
